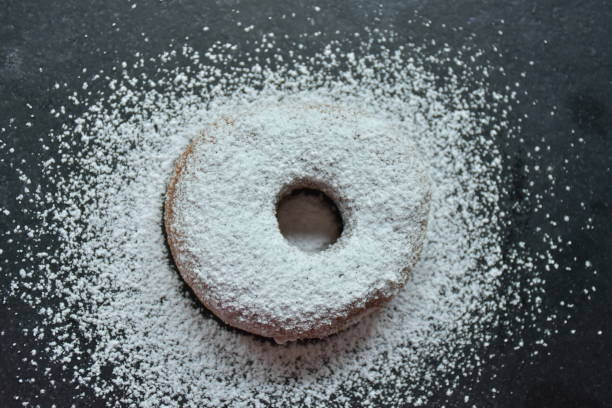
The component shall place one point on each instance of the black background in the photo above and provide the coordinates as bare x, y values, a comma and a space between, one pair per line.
569, 87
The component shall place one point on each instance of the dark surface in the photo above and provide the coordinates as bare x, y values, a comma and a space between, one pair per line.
570, 43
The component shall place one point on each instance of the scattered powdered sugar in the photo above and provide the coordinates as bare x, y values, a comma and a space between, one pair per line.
118, 319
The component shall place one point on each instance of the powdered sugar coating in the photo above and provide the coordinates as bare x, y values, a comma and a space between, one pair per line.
224, 232
117, 322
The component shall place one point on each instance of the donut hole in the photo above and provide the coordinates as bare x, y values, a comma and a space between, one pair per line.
308, 218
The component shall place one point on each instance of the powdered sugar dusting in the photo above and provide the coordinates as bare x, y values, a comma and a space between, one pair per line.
121, 306
225, 235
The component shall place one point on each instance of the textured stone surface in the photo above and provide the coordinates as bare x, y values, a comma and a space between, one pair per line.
569, 43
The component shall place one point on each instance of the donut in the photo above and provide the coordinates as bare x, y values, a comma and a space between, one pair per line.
222, 206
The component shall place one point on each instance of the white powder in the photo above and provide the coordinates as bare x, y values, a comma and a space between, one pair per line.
113, 277
226, 236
